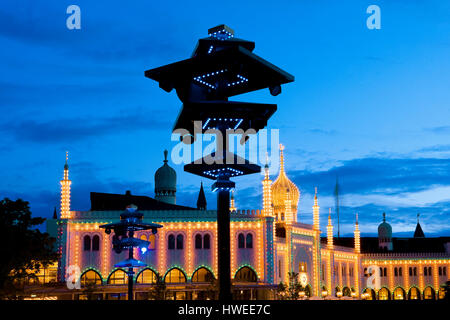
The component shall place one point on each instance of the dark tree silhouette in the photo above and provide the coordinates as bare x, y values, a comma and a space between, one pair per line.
24, 249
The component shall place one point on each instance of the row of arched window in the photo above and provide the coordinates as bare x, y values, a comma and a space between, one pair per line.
175, 275
400, 294
245, 241
202, 242
93, 245
427, 271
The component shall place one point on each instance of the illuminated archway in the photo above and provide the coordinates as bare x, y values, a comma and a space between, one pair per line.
90, 277
384, 294
246, 274
369, 294
118, 277
414, 294
399, 294
428, 293
147, 276
308, 291
175, 275
346, 292
202, 275
441, 294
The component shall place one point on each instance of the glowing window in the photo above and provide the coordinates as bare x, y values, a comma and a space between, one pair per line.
175, 276
90, 277
147, 276
202, 275
118, 277
245, 274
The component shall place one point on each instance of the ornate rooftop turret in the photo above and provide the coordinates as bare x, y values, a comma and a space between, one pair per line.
201, 201
283, 189
166, 183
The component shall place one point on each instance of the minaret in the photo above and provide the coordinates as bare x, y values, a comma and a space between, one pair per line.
65, 191
267, 191
357, 236
316, 212
329, 232
232, 206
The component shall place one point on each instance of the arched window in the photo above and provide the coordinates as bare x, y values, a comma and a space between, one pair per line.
384, 294
415, 271
428, 293
175, 275
198, 241
202, 275
400, 271
206, 241
90, 277
414, 294
87, 243
245, 274
171, 242
381, 271
282, 216
96, 243
118, 277
241, 241
440, 271
249, 241
385, 272
179, 242
152, 240
396, 272
444, 271
147, 276
399, 294
429, 271
425, 271
346, 292
143, 237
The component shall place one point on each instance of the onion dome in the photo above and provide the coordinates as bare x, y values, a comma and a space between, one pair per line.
166, 182
384, 230
283, 189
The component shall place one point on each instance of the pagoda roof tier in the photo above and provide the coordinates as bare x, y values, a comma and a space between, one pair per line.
221, 74
226, 163
228, 114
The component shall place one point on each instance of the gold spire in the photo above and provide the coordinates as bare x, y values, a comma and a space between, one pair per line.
267, 191
281, 158
65, 190
316, 207
329, 231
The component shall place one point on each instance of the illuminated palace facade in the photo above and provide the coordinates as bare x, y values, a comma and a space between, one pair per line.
266, 244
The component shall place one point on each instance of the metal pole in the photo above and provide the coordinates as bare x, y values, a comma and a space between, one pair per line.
223, 234
130, 276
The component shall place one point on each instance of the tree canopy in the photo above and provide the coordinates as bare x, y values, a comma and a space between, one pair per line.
24, 249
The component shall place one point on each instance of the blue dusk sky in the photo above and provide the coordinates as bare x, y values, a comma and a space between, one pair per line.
369, 106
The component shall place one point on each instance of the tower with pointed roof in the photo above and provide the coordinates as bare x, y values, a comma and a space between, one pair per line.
232, 203
285, 195
201, 201
65, 191
267, 192
418, 233
166, 183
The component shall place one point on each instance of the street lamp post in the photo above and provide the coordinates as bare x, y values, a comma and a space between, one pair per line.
123, 238
220, 67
